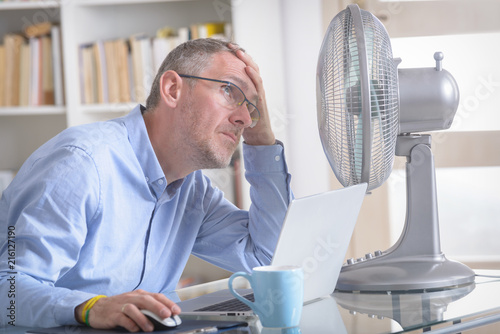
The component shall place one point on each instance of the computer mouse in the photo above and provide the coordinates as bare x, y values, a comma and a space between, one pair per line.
161, 324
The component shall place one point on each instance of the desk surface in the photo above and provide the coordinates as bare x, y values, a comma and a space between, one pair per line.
439, 312
446, 311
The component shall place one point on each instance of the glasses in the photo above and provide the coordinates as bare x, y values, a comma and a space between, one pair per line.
234, 96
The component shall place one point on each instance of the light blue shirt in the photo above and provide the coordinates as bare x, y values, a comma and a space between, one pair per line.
90, 213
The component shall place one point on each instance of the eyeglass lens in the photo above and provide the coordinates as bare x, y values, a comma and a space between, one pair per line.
236, 97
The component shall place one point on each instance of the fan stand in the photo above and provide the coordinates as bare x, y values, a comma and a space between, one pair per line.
409, 310
415, 262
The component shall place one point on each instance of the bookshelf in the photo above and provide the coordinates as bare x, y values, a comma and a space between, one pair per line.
24, 128
119, 20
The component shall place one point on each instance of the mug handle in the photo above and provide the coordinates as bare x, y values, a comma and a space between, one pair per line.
236, 294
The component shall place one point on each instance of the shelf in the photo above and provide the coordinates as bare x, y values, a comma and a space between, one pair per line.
121, 2
108, 107
16, 5
27, 110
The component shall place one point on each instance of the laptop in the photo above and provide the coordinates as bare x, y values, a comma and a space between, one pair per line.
315, 235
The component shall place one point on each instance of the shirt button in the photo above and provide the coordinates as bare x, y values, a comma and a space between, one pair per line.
277, 158
147, 179
160, 182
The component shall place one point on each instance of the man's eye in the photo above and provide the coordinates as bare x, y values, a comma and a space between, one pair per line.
228, 91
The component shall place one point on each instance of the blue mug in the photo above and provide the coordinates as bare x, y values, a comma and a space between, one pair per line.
278, 294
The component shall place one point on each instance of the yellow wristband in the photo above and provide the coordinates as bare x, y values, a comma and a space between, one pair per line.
89, 305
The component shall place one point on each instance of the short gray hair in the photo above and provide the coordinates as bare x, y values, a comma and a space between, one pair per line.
191, 58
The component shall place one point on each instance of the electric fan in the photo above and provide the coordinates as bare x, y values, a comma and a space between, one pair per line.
368, 112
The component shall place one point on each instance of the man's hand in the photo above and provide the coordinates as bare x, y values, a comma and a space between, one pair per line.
124, 311
261, 134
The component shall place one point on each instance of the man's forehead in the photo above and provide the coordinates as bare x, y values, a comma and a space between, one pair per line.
229, 67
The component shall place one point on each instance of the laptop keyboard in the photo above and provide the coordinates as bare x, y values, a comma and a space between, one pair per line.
229, 305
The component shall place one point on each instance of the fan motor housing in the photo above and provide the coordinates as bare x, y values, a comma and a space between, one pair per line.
429, 99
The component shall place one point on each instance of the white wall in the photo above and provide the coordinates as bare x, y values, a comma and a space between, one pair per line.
303, 35
285, 42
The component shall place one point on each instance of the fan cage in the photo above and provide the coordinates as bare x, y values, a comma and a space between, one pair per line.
340, 108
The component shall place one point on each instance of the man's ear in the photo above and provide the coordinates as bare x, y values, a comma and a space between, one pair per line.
170, 88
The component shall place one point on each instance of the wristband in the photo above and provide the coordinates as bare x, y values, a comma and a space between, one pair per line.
88, 306
87, 318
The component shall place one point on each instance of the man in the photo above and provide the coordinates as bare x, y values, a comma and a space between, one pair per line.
115, 208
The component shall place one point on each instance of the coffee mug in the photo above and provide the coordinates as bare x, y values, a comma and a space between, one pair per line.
278, 294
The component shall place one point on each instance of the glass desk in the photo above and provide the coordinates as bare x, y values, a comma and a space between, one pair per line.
473, 308
448, 311
468, 309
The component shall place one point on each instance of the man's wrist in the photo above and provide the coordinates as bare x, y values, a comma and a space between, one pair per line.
82, 310
78, 312
263, 138
264, 159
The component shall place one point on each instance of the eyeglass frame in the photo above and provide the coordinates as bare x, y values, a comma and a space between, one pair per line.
254, 120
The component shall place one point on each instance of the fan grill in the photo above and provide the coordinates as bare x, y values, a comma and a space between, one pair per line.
339, 94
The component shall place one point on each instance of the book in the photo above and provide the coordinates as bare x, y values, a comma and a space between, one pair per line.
28, 70
35, 72
38, 30
165, 41
161, 47
88, 74
112, 72
12, 44
125, 79
137, 67
57, 75
25, 75
209, 30
130, 71
148, 70
47, 78
142, 66
81, 71
2, 75
123, 70
182, 35
100, 72
194, 32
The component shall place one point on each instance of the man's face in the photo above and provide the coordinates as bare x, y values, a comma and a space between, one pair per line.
214, 128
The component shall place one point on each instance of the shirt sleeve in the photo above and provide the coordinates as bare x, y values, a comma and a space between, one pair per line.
236, 239
46, 207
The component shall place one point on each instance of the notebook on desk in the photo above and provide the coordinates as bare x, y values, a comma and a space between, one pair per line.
315, 235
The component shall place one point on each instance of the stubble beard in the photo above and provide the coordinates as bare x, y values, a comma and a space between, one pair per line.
207, 152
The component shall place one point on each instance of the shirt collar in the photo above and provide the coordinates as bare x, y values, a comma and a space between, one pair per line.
139, 140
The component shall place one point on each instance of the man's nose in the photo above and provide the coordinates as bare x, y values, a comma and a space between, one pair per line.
241, 116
